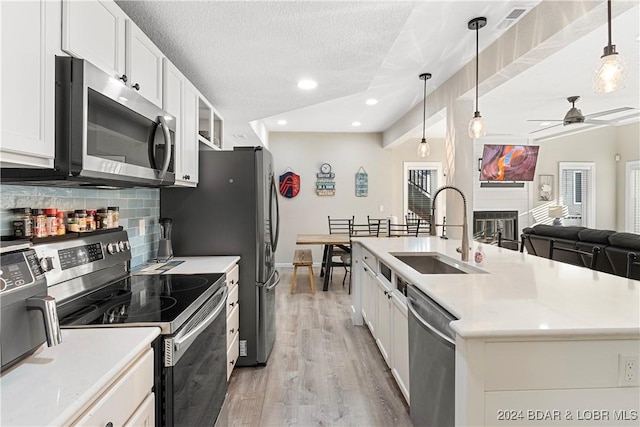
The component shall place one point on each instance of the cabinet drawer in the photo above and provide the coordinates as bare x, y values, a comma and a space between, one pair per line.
120, 401
232, 277
370, 260
233, 324
232, 354
232, 299
145, 415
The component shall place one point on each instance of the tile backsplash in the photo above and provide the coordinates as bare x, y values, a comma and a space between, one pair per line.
135, 204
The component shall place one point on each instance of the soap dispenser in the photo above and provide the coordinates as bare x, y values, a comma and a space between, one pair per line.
478, 255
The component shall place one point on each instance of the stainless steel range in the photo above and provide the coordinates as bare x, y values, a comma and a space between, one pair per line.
90, 279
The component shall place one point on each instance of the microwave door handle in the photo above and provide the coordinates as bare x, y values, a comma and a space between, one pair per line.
151, 145
167, 146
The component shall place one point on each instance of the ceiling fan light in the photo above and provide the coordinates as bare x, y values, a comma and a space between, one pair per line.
476, 126
611, 73
424, 149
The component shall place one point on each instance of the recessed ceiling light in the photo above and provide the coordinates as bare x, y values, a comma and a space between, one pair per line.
371, 101
307, 84
282, 122
545, 123
356, 124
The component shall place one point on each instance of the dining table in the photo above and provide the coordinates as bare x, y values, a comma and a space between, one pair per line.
341, 240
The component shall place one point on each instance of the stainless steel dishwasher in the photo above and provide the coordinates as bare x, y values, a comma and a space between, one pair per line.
431, 361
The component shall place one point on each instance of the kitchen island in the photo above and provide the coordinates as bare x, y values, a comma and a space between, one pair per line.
532, 334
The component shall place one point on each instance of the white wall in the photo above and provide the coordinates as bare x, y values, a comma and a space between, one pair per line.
346, 152
628, 146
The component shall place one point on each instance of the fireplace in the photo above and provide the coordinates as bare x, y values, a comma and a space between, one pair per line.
487, 224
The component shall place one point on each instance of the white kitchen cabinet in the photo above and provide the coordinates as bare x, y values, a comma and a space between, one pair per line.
145, 415
209, 125
143, 63
190, 133
369, 301
100, 32
174, 101
384, 326
400, 343
233, 319
120, 402
30, 39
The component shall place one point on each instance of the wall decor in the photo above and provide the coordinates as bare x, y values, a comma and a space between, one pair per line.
362, 183
289, 184
545, 188
325, 184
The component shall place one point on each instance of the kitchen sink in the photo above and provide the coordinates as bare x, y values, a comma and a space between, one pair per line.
435, 263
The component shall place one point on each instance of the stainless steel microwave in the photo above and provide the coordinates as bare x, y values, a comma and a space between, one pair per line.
106, 134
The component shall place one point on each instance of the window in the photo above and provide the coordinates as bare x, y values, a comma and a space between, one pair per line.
421, 181
577, 187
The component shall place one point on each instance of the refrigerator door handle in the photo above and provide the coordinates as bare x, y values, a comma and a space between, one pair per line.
272, 198
275, 282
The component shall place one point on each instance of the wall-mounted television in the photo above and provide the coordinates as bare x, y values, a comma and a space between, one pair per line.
508, 162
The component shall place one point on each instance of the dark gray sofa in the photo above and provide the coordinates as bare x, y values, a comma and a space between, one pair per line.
614, 247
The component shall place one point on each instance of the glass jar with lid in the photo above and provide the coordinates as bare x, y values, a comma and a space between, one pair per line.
115, 221
103, 218
22, 222
60, 226
39, 223
91, 220
52, 222
72, 222
82, 220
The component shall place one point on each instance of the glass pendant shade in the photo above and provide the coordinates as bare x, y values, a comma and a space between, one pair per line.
610, 74
424, 149
476, 126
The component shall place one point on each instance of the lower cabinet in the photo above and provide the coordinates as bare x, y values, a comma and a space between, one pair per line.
233, 320
129, 401
400, 343
384, 311
383, 336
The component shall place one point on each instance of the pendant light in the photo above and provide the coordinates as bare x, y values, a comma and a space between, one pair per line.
423, 148
476, 125
611, 72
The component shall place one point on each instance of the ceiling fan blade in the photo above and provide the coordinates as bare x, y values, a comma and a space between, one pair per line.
548, 127
607, 112
542, 120
599, 122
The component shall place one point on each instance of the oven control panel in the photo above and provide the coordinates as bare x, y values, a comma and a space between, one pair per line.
18, 270
69, 259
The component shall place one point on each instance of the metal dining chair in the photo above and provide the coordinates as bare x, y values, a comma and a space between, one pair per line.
337, 226
379, 223
403, 230
357, 230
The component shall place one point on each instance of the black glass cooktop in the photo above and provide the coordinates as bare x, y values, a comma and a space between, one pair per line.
146, 299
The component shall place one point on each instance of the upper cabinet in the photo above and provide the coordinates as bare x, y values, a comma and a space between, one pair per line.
100, 32
179, 100
209, 125
30, 39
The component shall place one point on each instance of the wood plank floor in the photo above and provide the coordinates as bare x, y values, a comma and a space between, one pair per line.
323, 371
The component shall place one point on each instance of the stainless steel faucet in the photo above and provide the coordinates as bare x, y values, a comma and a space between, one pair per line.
464, 250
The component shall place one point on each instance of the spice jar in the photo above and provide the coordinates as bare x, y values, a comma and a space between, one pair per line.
60, 227
91, 220
52, 221
39, 223
103, 219
115, 215
82, 220
72, 222
22, 222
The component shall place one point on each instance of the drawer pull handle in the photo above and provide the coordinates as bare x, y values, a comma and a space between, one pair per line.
136, 86
232, 329
109, 424
231, 304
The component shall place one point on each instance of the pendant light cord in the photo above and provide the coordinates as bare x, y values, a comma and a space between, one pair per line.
424, 108
477, 62
609, 20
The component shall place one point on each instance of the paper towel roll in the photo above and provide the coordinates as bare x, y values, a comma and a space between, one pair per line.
393, 219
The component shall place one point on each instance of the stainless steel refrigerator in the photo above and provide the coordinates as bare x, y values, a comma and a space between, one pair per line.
234, 211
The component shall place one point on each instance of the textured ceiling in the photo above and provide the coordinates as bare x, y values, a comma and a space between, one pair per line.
246, 57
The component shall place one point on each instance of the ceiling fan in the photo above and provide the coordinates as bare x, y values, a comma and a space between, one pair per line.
574, 115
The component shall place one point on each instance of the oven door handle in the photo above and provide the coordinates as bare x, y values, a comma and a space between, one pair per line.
181, 342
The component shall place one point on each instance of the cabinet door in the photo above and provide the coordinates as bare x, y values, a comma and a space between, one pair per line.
369, 301
143, 64
190, 135
95, 30
27, 81
400, 344
383, 336
145, 415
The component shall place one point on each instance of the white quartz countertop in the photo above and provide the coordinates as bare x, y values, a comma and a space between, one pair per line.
51, 386
195, 265
522, 295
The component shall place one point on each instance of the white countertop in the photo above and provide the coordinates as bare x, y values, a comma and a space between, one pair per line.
195, 265
52, 385
523, 295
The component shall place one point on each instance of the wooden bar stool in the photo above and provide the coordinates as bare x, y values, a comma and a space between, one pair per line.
301, 258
